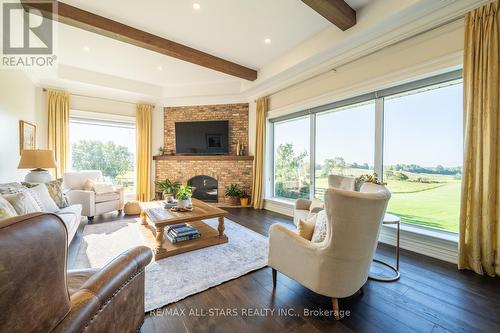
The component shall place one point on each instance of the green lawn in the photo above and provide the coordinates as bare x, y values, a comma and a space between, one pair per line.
434, 205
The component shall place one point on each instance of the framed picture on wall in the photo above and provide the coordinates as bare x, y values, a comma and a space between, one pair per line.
27, 136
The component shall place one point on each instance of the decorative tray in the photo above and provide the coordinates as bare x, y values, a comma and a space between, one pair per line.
185, 209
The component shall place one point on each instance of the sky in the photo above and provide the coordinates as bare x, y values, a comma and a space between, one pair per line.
424, 129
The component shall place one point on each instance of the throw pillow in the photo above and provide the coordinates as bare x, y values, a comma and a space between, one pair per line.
319, 233
56, 193
305, 229
6, 209
43, 199
23, 202
7, 188
99, 187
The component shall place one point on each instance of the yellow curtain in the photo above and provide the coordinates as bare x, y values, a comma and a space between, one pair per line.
58, 128
479, 247
258, 162
143, 149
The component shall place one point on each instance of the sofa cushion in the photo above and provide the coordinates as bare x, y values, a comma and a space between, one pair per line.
23, 202
110, 196
75, 209
6, 209
42, 197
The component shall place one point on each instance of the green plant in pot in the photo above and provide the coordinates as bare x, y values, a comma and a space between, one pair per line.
168, 188
233, 194
244, 197
184, 194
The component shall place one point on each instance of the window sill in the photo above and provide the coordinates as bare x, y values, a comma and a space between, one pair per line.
430, 242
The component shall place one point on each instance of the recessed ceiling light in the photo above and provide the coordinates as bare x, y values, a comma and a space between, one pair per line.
86, 49
196, 6
267, 40
160, 68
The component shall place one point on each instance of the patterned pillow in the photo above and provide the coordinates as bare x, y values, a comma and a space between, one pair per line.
6, 209
55, 191
319, 233
8, 188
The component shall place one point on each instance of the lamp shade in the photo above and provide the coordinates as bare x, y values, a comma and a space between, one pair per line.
32, 159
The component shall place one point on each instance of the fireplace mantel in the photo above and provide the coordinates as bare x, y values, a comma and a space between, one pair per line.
202, 158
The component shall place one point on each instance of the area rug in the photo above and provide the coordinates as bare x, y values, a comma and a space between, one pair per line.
171, 279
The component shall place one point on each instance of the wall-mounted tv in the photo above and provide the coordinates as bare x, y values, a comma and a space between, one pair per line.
202, 137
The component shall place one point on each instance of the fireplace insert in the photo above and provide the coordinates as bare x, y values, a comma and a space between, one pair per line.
205, 188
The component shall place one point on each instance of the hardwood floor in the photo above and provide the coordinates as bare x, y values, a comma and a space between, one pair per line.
431, 296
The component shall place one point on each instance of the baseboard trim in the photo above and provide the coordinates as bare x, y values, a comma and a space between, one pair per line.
443, 246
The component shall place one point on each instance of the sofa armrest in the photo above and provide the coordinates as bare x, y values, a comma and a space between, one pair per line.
84, 198
118, 286
120, 190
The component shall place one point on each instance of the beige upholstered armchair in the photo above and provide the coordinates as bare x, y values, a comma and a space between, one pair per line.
304, 207
337, 267
92, 203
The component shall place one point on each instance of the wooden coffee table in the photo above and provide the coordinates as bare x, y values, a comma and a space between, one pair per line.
154, 219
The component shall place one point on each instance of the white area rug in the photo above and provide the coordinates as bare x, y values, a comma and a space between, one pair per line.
171, 279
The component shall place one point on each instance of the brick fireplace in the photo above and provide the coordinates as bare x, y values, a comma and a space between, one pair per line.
224, 169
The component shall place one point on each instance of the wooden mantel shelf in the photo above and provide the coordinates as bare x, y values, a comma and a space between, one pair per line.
203, 158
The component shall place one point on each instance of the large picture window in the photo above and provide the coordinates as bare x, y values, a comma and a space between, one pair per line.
344, 143
423, 155
105, 146
291, 159
410, 135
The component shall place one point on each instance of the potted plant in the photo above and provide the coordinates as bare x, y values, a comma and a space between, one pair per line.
168, 188
184, 194
233, 194
244, 198
162, 150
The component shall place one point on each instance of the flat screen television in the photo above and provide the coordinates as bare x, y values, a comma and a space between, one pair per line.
202, 137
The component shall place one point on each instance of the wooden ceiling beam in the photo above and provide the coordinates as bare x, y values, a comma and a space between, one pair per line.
336, 11
85, 20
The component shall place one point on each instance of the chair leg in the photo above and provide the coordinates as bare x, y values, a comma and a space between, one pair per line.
90, 219
335, 306
275, 273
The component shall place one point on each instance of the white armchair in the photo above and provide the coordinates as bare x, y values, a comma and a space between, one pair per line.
304, 207
92, 203
337, 267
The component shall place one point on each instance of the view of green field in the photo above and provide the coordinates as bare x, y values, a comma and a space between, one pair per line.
433, 205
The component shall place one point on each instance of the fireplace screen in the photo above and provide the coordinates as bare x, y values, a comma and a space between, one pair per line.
204, 188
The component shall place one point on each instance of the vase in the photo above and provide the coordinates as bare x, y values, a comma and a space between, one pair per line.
183, 203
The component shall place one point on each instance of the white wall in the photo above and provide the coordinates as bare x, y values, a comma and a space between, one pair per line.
20, 99
430, 53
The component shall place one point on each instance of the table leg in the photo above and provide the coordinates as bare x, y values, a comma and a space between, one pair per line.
221, 226
144, 218
159, 240
397, 248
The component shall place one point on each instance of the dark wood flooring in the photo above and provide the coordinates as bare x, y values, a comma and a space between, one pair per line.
431, 296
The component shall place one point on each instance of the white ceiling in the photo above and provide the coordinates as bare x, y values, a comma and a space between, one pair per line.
231, 29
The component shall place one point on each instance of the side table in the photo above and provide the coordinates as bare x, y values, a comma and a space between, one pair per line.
390, 219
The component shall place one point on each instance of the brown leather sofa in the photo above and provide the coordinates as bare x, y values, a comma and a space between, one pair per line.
38, 294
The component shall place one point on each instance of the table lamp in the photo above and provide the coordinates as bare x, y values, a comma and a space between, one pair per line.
39, 160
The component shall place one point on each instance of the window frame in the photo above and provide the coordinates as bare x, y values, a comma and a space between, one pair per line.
377, 96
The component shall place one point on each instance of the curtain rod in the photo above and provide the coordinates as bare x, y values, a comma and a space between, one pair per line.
461, 17
103, 98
